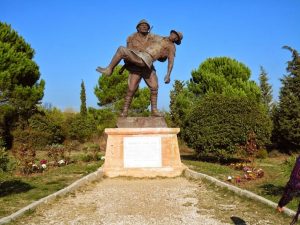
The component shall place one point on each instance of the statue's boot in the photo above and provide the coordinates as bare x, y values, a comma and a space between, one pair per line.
114, 62
127, 103
153, 99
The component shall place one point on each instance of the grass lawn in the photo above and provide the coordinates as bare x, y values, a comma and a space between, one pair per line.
223, 202
19, 191
270, 186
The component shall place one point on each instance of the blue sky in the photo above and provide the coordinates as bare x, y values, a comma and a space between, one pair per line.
72, 38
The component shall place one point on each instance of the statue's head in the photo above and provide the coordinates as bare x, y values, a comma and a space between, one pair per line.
179, 36
143, 26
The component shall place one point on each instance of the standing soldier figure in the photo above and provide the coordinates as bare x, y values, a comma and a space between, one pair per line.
139, 41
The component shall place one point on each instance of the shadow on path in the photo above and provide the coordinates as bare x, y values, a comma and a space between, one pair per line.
238, 220
271, 189
13, 187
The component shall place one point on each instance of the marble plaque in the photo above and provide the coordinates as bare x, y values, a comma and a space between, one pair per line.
142, 152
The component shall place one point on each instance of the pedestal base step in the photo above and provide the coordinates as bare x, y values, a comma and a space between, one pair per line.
144, 172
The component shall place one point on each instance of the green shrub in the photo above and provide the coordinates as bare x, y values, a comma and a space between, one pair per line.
262, 154
86, 157
92, 149
49, 132
26, 157
56, 152
274, 153
4, 160
30, 136
81, 128
288, 165
103, 118
218, 125
2, 142
40, 132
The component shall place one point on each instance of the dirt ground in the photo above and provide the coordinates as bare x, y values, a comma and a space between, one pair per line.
174, 201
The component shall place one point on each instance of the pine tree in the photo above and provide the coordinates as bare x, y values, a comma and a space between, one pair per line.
21, 89
266, 89
83, 110
287, 116
19, 74
225, 76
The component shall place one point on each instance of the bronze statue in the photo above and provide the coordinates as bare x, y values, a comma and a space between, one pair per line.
139, 41
141, 51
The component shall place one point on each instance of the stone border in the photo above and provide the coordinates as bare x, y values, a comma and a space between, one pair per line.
244, 193
86, 179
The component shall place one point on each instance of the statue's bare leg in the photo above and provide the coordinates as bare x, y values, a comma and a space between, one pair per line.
121, 53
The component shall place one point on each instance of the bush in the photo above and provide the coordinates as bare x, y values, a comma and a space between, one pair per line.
262, 154
49, 131
2, 142
274, 153
103, 118
72, 145
30, 136
81, 128
39, 132
219, 125
92, 150
57, 152
86, 157
288, 165
4, 160
26, 156
7, 120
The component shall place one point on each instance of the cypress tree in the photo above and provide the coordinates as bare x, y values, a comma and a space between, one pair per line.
83, 110
266, 89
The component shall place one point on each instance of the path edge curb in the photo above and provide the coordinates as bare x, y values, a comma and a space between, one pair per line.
75, 185
188, 173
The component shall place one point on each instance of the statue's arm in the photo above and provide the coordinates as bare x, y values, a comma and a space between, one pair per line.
171, 57
129, 42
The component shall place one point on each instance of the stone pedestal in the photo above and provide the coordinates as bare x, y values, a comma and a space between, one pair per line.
142, 152
141, 122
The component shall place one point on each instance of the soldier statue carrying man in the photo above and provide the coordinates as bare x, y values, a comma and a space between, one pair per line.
143, 49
